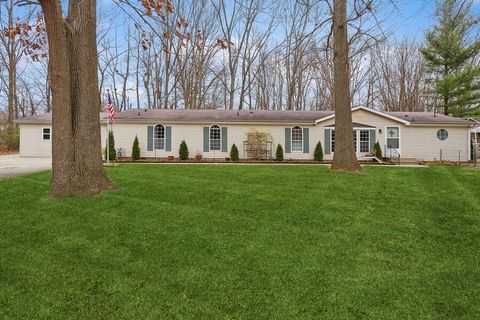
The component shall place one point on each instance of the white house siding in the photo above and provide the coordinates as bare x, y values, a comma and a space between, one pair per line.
193, 135
367, 118
418, 142
422, 143
32, 143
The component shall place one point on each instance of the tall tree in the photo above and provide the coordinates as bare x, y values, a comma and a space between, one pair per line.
449, 54
400, 72
76, 149
344, 158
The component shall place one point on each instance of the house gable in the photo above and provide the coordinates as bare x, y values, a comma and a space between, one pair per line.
356, 110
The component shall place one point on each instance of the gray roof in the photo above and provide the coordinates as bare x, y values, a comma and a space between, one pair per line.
212, 116
180, 115
221, 115
427, 117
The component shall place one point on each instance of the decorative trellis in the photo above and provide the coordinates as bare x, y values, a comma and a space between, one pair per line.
258, 146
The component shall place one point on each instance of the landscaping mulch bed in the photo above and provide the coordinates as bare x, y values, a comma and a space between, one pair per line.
176, 160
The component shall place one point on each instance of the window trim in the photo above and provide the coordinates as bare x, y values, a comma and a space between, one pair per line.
444, 130
291, 138
399, 136
357, 145
155, 138
49, 134
210, 138
359, 142
332, 140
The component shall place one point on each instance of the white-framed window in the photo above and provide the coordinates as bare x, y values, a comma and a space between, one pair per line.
46, 133
393, 137
159, 137
215, 138
355, 140
332, 140
364, 140
442, 134
297, 139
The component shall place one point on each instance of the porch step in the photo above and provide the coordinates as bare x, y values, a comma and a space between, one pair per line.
408, 161
402, 160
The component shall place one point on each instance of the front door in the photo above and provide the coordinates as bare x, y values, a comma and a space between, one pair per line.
392, 137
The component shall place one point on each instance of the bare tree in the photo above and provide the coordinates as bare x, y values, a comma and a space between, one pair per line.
11, 51
401, 77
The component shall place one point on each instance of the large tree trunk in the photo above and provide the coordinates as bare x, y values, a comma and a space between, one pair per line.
12, 77
76, 149
344, 158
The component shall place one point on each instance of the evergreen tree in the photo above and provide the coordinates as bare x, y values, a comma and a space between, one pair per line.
112, 154
377, 150
449, 54
135, 149
279, 153
183, 152
318, 153
234, 153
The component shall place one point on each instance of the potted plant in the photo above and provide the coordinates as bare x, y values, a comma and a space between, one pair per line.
198, 156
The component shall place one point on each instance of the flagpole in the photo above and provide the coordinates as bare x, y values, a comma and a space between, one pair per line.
108, 139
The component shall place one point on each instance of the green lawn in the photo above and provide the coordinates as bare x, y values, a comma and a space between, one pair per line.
245, 242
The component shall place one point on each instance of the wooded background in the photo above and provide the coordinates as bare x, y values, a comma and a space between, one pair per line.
244, 54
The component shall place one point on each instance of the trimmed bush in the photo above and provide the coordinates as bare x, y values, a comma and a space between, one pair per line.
135, 149
279, 153
234, 153
318, 154
377, 150
111, 147
183, 152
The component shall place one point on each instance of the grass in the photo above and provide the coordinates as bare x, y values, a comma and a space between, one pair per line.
244, 242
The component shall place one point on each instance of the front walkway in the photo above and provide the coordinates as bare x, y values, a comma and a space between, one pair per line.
14, 165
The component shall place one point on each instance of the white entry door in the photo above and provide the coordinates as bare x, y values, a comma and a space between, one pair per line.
392, 137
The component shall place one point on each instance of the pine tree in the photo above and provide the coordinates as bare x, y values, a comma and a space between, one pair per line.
111, 147
135, 149
183, 152
234, 153
318, 153
279, 153
449, 56
377, 150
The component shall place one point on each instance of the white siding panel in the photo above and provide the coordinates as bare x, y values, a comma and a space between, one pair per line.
193, 135
32, 143
422, 143
418, 142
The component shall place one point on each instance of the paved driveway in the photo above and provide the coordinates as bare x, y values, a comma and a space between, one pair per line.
14, 165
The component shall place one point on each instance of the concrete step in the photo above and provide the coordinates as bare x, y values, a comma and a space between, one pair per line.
408, 161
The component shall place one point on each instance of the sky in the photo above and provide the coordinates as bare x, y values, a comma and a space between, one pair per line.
414, 17
409, 19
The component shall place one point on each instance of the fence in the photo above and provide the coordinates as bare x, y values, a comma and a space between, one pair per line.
456, 155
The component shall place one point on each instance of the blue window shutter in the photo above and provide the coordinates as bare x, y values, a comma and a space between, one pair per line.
168, 138
206, 139
224, 139
288, 140
150, 138
372, 139
327, 141
306, 141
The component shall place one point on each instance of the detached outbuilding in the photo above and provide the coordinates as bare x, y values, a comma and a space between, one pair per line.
409, 135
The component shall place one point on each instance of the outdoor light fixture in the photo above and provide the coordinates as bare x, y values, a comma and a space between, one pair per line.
380, 131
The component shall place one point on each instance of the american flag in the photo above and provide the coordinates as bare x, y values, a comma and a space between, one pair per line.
111, 111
